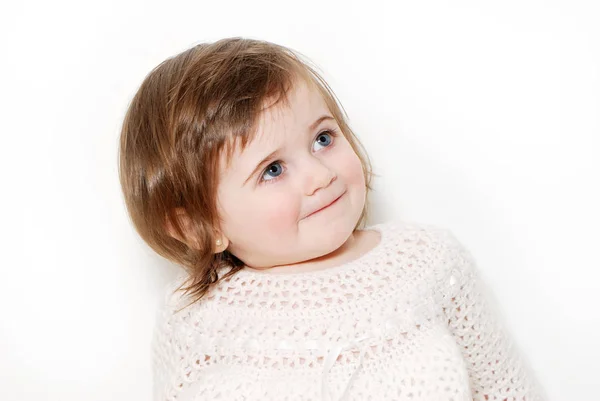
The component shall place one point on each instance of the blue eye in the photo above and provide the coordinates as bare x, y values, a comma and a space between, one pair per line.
324, 139
273, 171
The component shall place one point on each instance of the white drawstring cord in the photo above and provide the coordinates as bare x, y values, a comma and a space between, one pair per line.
330, 360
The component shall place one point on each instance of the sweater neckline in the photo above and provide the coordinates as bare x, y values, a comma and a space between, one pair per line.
363, 259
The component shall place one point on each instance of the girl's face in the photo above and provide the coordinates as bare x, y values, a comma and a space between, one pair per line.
297, 190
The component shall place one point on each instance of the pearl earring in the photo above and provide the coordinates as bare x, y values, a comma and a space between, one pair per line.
218, 242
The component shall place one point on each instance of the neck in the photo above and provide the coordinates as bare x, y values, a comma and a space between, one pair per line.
339, 256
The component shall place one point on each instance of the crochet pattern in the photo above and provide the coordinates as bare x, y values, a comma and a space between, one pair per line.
406, 321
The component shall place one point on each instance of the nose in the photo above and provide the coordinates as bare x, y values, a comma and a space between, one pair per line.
317, 175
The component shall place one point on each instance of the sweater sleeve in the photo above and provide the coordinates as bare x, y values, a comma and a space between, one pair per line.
165, 348
496, 369
169, 352
183, 367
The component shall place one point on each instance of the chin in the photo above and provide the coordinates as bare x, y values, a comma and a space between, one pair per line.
333, 236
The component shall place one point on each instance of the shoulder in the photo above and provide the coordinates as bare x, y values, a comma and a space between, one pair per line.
436, 238
175, 317
171, 297
435, 248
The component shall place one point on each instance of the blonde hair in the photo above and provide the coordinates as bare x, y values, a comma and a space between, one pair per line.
187, 110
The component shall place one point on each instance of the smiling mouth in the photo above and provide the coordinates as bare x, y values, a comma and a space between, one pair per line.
326, 206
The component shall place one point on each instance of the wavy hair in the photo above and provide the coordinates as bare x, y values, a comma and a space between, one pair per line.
187, 111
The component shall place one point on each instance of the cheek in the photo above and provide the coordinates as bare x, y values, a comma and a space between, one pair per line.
351, 168
278, 212
265, 211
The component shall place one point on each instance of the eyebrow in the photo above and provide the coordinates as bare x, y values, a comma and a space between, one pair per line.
271, 155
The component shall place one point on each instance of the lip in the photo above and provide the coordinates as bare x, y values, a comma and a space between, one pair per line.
326, 206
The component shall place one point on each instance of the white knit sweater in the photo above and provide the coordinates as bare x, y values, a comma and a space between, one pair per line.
406, 321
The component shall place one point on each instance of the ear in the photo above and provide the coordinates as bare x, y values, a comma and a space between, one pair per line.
221, 242
185, 222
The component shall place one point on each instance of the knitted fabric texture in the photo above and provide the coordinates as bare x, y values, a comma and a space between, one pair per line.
408, 320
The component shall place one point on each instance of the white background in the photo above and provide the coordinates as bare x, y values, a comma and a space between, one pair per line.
480, 116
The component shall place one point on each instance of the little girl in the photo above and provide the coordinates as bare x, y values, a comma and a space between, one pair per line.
238, 163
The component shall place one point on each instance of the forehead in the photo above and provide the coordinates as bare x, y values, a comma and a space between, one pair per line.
277, 125
300, 105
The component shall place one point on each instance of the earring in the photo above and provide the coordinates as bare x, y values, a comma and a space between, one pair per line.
219, 242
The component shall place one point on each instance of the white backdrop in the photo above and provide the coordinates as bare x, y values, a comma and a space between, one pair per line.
480, 116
